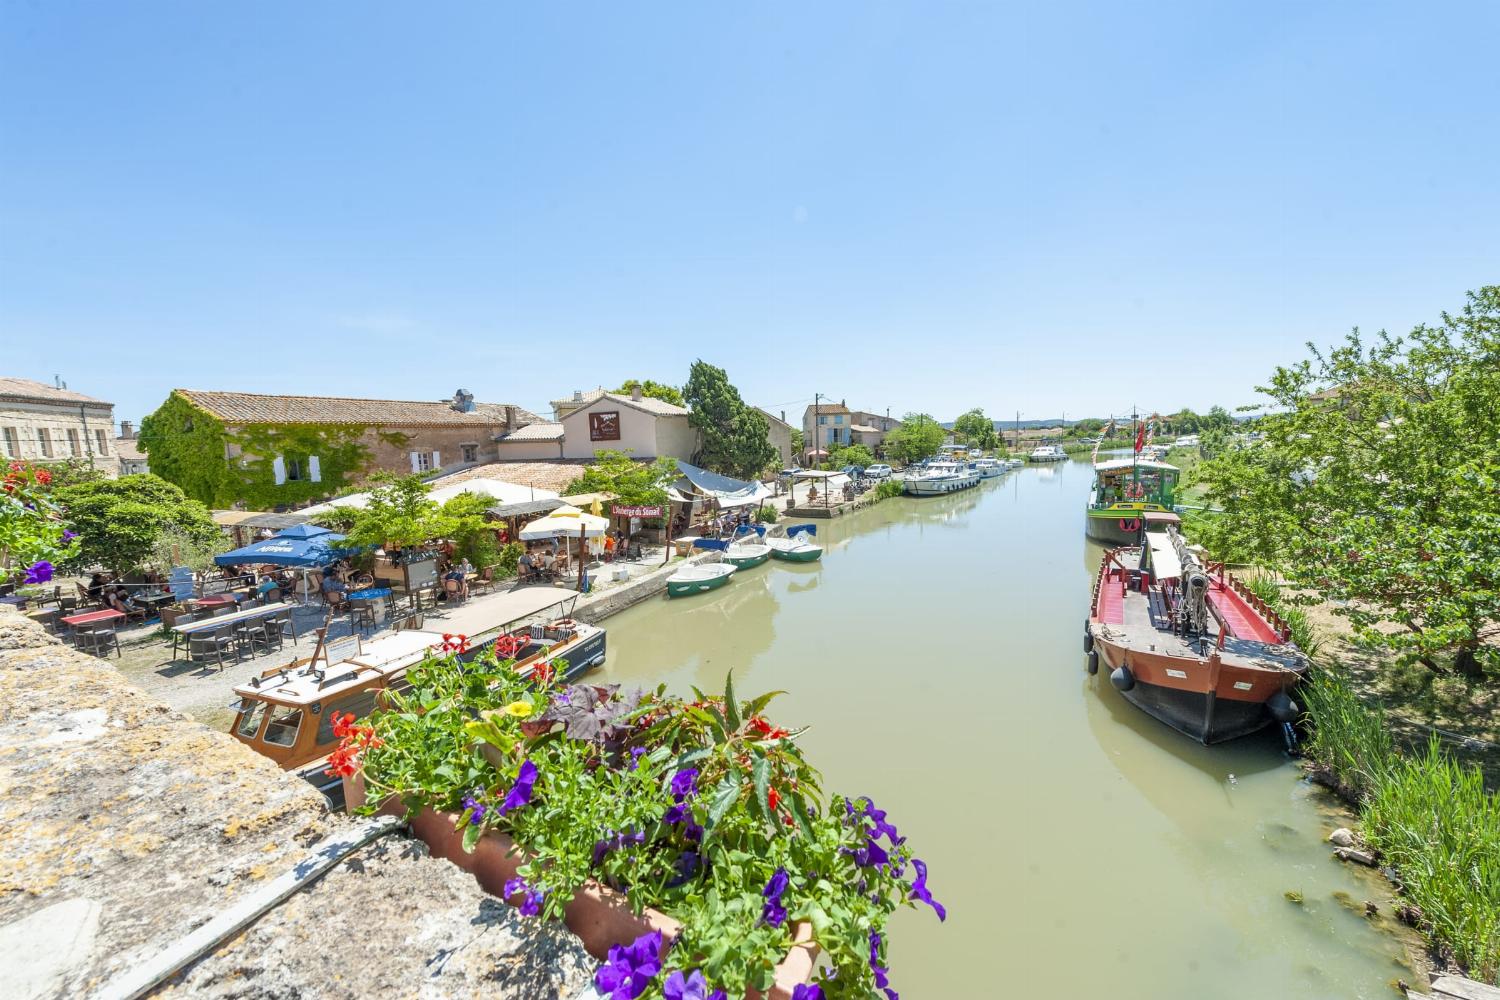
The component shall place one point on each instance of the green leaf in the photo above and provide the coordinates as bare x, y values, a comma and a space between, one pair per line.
472, 833
721, 729
799, 812
725, 796
759, 704
762, 775
731, 706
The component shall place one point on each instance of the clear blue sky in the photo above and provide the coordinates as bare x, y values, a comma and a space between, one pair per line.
923, 206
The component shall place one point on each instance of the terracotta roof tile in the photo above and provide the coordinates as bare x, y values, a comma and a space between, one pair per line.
254, 408
25, 388
552, 475
544, 430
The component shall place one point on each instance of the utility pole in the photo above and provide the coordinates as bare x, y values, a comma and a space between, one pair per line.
817, 398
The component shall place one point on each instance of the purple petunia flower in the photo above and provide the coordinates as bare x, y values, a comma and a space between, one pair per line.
69, 534
520, 793
635, 757
773, 913
614, 842
630, 969
803, 991
684, 783
919, 889
881, 826
531, 904
41, 572
476, 808
690, 987
677, 813
686, 866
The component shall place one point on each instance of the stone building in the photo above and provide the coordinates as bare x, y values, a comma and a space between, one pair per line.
261, 451
51, 423
826, 426
870, 429
645, 427
779, 434
128, 451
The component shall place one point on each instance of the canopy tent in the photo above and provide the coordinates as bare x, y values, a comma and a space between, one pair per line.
502, 492
306, 545
567, 522
259, 519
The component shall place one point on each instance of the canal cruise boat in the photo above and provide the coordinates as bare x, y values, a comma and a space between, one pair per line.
1125, 491
1189, 644
287, 713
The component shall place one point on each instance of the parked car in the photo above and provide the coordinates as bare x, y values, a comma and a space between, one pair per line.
853, 471
878, 471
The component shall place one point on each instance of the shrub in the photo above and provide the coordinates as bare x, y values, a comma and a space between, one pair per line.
766, 514
887, 489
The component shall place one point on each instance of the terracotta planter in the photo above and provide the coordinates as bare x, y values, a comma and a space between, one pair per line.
600, 916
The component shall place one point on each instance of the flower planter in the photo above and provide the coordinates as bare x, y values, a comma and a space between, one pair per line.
600, 916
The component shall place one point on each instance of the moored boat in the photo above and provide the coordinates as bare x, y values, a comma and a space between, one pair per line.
287, 713
794, 543
940, 477
1125, 491
747, 550
1047, 453
990, 468
698, 578
1188, 644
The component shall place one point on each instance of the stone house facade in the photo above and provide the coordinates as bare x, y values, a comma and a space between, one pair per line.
51, 423
780, 435
826, 426
132, 460
643, 426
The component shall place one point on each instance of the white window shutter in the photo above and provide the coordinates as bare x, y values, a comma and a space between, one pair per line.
436, 461
414, 466
313, 472
278, 469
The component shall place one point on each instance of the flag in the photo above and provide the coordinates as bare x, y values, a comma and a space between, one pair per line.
1140, 438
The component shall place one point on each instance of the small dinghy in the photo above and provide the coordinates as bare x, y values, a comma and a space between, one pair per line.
794, 544
746, 549
698, 577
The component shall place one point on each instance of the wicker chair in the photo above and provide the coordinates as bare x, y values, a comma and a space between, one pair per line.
215, 643
97, 640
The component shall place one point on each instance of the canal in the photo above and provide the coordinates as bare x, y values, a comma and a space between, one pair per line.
1082, 849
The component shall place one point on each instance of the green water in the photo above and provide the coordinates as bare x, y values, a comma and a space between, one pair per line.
1082, 849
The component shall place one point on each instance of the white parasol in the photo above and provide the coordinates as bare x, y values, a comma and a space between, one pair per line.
567, 522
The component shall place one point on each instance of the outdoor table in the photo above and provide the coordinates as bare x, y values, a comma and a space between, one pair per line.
14, 599
378, 598
234, 618
216, 600
91, 618
46, 617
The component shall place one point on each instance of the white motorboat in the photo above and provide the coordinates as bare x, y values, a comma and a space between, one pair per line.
941, 477
990, 468
1047, 453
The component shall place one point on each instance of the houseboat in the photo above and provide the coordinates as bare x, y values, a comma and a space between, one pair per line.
1188, 644
1047, 453
1125, 490
287, 713
940, 477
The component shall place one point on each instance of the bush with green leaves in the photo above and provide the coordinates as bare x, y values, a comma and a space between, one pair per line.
34, 538
766, 514
702, 809
122, 522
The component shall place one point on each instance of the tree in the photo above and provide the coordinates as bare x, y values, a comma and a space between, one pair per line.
121, 521
632, 482
656, 390
918, 437
1376, 484
399, 514
975, 428
799, 443
735, 438
853, 454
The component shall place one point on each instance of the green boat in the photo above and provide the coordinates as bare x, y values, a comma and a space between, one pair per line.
744, 555
698, 578
1127, 494
793, 545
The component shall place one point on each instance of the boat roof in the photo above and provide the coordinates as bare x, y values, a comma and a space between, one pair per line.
1162, 517
1115, 465
379, 656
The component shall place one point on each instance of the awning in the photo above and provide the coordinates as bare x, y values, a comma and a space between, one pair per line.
526, 509
1164, 562
259, 519
565, 522
728, 492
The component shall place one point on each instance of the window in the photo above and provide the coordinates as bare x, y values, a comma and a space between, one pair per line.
604, 426
294, 470
421, 461
74, 447
252, 714
838, 418
103, 442
822, 419
12, 443
44, 440
285, 721
470, 452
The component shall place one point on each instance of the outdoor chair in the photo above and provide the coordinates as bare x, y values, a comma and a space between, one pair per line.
285, 623
361, 613
178, 637
454, 590
484, 581
97, 640
212, 643
54, 598
254, 630
68, 604
424, 595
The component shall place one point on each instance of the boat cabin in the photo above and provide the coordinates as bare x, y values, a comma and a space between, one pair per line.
1127, 481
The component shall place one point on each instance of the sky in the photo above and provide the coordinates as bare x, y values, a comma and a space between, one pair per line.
1047, 208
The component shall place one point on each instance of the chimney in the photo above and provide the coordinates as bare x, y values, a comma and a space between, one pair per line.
783, 416
635, 393
844, 403
510, 418
577, 395
127, 430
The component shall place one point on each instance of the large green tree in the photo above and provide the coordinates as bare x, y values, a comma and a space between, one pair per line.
1376, 484
656, 390
121, 522
918, 437
975, 428
734, 437
633, 482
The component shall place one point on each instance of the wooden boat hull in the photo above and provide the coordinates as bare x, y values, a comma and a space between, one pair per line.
1117, 524
803, 555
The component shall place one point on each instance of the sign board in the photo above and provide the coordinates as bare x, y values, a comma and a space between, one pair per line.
180, 582
340, 649
635, 510
421, 573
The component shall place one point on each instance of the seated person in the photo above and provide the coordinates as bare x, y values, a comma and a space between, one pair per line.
333, 588
525, 567
268, 586
549, 562
95, 589
456, 575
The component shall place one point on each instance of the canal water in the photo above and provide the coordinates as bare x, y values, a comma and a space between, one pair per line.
1082, 849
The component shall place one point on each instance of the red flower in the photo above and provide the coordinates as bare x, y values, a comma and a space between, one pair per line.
43, 476
773, 799
354, 741
765, 729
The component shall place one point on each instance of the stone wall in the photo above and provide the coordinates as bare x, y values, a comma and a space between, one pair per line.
23, 422
124, 825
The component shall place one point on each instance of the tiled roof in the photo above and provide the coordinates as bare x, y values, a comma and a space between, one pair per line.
574, 402
827, 407
544, 430
772, 417
128, 449
646, 403
254, 408
554, 474
25, 388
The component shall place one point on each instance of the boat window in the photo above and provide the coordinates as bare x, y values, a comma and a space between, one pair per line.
282, 731
359, 705
250, 719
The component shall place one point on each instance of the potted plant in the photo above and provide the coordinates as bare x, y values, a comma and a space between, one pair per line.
687, 842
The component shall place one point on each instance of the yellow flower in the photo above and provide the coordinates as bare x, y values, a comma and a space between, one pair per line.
518, 709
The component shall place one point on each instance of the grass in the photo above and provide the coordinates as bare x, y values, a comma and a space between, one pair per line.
1429, 816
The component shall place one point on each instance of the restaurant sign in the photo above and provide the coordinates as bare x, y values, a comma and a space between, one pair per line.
635, 510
